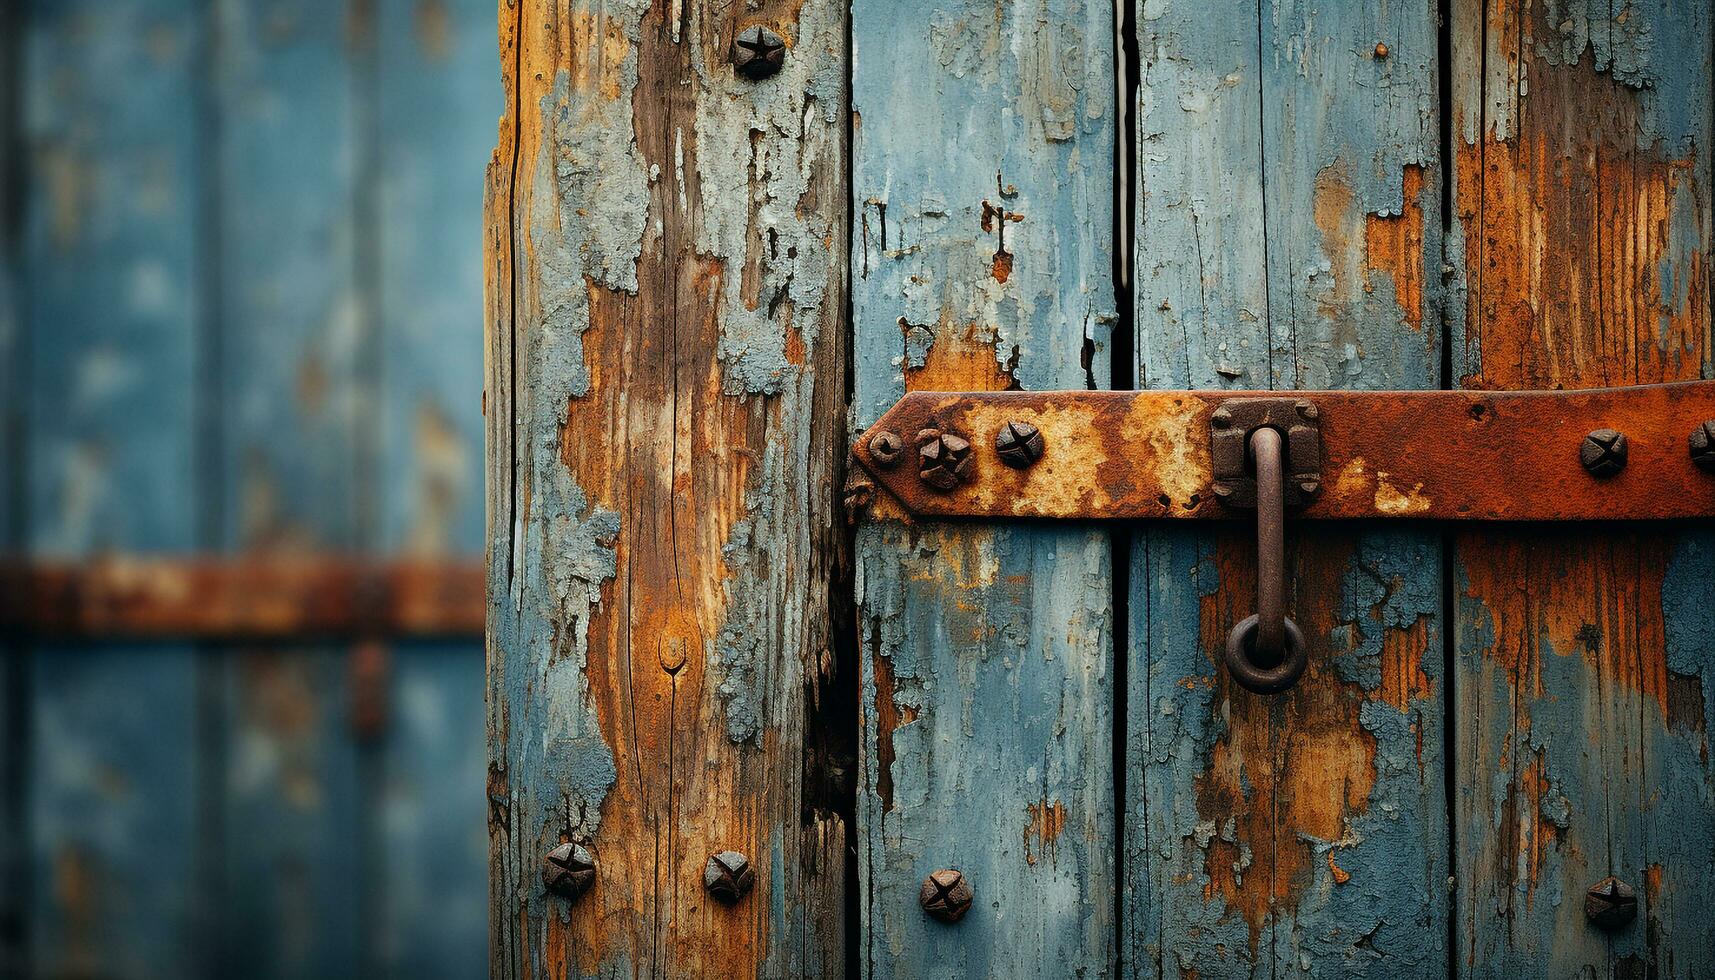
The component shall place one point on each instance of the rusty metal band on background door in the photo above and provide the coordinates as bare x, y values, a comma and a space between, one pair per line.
1645, 452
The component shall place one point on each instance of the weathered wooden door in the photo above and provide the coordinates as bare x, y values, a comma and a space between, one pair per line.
706, 278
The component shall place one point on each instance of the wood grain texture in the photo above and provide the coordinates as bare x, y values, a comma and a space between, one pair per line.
296, 375
664, 388
110, 257
983, 259
1287, 225
1581, 142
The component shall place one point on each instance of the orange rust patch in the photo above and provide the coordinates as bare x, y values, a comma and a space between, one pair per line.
994, 222
1291, 770
794, 347
1530, 835
886, 722
1403, 679
1341, 875
962, 358
1576, 277
1338, 220
1391, 244
1404, 683
1046, 820
1394, 245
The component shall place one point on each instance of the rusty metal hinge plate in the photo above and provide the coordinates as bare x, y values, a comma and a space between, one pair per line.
1458, 455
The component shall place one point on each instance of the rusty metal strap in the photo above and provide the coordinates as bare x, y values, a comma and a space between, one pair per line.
1450, 455
258, 599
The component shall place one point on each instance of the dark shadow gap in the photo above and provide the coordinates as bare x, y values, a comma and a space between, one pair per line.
1123, 376
833, 729
14, 668
1449, 631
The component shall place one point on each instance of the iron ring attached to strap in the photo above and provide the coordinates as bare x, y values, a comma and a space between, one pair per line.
1265, 651
1242, 658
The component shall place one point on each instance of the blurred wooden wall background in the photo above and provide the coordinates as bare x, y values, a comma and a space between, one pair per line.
240, 301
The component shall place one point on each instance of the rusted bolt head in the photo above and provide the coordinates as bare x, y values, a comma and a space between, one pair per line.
757, 52
859, 496
1222, 418
1019, 444
728, 876
1703, 446
945, 895
1610, 903
568, 871
1603, 452
885, 448
943, 459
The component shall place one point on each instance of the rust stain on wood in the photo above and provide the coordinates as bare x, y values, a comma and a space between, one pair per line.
1403, 680
1393, 245
961, 357
1576, 247
1291, 776
1045, 820
887, 721
664, 318
1290, 770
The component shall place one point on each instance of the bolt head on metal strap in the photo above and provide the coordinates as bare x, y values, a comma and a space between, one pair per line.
1429, 455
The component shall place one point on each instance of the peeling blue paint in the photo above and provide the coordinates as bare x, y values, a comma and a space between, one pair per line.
748, 150
1259, 168
755, 616
992, 645
547, 571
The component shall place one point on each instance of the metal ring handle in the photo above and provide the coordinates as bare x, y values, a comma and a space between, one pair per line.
1266, 448
1265, 680
1268, 637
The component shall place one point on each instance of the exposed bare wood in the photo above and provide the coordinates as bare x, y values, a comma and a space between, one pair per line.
666, 361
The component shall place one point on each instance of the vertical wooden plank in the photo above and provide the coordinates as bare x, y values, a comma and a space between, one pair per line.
983, 259
438, 97
1581, 141
433, 892
113, 271
293, 335
665, 361
112, 812
1287, 223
